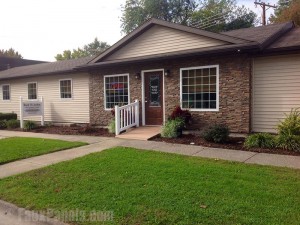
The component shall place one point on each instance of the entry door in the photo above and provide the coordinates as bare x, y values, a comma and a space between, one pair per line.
153, 98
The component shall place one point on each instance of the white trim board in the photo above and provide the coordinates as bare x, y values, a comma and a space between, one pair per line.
143, 94
65, 99
104, 89
217, 88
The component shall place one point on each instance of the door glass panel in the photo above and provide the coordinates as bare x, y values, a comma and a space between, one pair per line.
154, 90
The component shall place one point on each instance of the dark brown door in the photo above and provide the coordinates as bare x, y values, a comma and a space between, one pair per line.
154, 98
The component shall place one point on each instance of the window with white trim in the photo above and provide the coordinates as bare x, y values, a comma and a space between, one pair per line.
5, 92
65, 88
32, 90
199, 88
116, 90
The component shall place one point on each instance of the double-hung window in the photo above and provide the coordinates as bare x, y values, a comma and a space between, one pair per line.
200, 88
65, 88
116, 89
5, 92
32, 90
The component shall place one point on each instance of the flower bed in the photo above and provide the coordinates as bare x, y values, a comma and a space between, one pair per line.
73, 130
234, 143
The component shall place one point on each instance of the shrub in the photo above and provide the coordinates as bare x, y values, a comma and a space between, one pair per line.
218, 133
11, 124
291, 124
8, 116
260, 140
170, 129
112, 127
3, 124
179, 113
288, 141
29, 125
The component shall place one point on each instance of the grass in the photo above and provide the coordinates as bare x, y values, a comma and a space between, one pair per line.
15, 148
145, 187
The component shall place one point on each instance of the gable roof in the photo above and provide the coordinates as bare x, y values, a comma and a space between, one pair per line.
256, 38
275, 37
44, 68
152, 22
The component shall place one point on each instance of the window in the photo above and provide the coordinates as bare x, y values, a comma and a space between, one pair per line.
116, 90
32, 90
200, 88
5, 92
66, 88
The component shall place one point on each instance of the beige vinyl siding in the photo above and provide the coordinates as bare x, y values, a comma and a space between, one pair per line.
276, 90
75, 110
159, 39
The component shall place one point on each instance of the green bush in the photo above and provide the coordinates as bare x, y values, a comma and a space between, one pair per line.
288, 141
3, 124
218, 133
291, 124
112, 127
11, 124
29, 125
170, 129
260, 140
8, 116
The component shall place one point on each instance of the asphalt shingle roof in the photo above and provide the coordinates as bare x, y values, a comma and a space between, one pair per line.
258, 34
263, 35
290, 39
44, 68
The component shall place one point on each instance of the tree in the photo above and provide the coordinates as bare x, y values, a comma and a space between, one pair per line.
216, 15
10, 53
287, 11
223, 15
91, 49
137, 12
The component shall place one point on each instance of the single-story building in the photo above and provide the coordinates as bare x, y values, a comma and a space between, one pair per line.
65, 92
246, 78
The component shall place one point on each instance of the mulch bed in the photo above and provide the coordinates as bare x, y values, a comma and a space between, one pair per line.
74, 130
234, 143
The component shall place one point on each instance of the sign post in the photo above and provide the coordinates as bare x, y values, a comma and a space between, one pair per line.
31, 108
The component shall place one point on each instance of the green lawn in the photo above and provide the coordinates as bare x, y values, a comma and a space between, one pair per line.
146, 187
15, 148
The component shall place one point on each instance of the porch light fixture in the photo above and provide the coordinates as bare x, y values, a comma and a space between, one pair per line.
167, 72
137, 75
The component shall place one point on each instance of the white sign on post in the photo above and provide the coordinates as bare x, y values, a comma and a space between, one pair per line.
31, 108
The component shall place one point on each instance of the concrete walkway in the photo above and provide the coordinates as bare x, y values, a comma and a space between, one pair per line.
98, 144
11, 214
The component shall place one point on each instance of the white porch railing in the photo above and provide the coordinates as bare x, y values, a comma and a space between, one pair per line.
127, 116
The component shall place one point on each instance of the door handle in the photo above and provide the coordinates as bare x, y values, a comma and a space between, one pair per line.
146, 101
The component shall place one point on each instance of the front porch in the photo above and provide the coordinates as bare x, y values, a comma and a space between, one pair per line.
127, 123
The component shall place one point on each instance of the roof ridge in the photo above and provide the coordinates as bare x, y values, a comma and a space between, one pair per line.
283, 30
268, 25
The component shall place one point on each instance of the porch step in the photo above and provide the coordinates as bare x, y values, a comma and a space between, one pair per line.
141, 133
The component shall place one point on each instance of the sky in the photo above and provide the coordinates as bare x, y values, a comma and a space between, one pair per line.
40, 29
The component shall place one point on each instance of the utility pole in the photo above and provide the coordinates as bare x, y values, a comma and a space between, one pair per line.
264, 5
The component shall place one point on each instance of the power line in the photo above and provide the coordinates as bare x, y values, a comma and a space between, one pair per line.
211, 22
208, 21
264, 5
211, 25
219, 14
